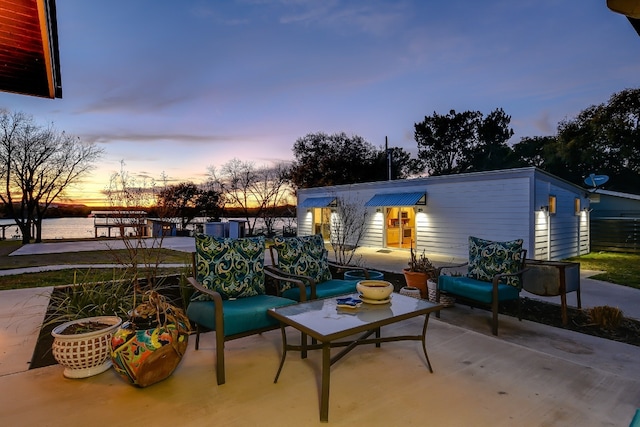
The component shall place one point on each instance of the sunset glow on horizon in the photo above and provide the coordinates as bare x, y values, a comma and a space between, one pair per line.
173, 88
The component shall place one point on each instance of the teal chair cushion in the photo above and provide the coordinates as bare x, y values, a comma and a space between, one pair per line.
240, 315
304, 255
232, 267
488, 258
476, 290
328, 289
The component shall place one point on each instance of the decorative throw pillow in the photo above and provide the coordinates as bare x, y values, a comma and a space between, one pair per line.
488, 258
232, 267
305, 255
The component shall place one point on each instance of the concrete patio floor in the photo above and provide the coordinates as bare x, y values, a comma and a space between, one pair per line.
530, 375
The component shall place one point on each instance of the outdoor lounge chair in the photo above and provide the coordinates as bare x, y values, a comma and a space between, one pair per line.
305, 258
230, 297
494, 276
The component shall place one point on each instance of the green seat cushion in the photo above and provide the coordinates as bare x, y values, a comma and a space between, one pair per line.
488, 258
240, 315
327, 289
304, 255
476, 290
232, 267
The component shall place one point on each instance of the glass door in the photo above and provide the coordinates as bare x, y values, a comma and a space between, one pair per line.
322, 222
400, 227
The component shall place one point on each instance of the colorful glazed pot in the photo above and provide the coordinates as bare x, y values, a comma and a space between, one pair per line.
147, 356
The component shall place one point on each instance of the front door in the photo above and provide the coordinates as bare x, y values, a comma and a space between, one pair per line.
400, 227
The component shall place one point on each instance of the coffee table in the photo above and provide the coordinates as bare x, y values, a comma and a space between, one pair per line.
329, 326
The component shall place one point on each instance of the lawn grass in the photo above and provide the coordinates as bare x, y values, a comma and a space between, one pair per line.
76, 275
620, 268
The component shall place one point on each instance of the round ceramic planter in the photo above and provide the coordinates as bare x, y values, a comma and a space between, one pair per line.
84, 354
410, 292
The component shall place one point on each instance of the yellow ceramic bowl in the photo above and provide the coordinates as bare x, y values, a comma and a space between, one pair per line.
375, 289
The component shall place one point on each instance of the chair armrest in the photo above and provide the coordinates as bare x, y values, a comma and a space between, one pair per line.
273, 273
296, 277
498, 277
217, 301
348, 267
439, 269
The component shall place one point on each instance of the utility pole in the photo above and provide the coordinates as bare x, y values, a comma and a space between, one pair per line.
389, 155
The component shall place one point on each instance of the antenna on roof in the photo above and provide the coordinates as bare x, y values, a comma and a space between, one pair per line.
595, 181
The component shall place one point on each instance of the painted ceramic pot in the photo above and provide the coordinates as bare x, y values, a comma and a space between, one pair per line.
146, 356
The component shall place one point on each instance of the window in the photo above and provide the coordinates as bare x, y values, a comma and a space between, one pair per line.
576, 206
552, 205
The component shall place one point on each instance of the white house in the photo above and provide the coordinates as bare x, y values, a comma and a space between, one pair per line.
439, 213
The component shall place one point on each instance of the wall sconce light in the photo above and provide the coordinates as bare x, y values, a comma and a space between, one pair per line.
419, 209
544, 208
308, 210
378, 210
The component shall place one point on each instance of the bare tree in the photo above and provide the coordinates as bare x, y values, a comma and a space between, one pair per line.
348, 227
257, 191
37, 164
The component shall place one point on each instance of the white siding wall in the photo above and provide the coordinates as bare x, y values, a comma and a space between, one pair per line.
498, 205
305, 222
490, 209
563, 234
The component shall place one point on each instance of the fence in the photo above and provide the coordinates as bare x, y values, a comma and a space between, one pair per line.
615, 234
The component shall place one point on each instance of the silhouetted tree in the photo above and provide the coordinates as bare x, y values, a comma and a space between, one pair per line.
180, 199
445, 141
37, 164
256, 191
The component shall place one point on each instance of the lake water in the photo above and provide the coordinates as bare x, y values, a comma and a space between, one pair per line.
82, 228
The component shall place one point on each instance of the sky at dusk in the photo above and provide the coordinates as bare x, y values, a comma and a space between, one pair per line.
176, 86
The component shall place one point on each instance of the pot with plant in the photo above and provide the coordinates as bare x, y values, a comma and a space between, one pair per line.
85, 316
149, 346
419, 271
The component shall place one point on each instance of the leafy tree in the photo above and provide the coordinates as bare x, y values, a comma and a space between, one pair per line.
181, 199
402, 165
211, 202
336, 159
538, 151
603, 139
322, 160
445, 141
37, 164
464, 142
491, 151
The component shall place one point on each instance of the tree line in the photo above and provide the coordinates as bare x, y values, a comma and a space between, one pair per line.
38, 163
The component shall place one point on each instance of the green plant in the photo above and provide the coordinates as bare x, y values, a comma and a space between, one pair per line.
89, 299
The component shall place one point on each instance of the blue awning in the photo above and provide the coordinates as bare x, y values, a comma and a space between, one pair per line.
398, 199
317, 202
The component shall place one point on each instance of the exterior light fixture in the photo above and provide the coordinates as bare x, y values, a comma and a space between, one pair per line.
378, 210
544, 208
420, 210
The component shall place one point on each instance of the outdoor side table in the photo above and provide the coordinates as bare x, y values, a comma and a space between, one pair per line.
329, 326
